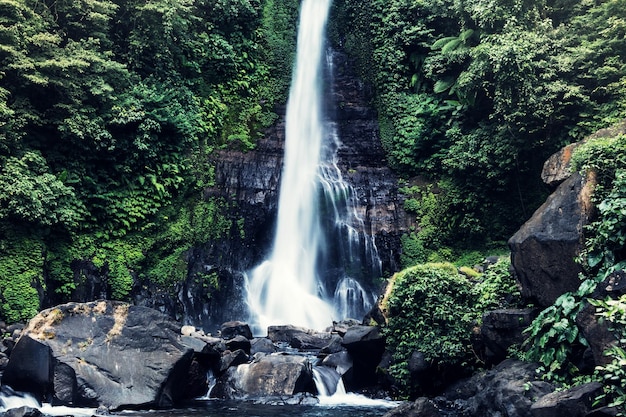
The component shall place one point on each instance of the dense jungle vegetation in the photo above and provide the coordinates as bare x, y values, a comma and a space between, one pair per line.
110, 111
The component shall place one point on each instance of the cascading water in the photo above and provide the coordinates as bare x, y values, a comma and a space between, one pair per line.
320, 244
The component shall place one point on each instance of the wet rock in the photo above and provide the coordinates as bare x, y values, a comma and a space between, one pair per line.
231, 329
101, 353
422, 407
262, 345
238, 342
507, 390
333, 346
299, 337
230, 359
574, 402
366, 346
341, 327
22, 412
341, 362
270, 375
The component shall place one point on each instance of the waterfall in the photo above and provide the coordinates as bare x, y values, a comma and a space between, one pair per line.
320, 243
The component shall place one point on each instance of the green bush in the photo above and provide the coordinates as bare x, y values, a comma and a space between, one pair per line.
430, 311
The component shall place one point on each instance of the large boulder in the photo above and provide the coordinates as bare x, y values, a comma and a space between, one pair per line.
573, 402
299, 337
509, 389
544, 250
267, 376
366, 345
102, 353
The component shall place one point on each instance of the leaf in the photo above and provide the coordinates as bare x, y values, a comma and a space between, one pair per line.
442, 42
443, 85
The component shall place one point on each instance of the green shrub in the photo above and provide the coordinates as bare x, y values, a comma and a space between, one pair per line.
497, 288
430, 311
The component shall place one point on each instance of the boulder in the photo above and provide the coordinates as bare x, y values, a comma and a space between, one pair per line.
557, 168
231, 329
509, 390
235, 358
366, 346
574, 402
544, 249
299, 337
502, 329
102, 353
262, 345
238, 342
422, 407
267, 376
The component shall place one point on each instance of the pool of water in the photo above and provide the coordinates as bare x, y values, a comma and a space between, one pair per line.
249, 409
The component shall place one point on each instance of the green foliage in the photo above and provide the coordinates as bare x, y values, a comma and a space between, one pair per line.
430, 312
478, 94
30, 193
497, 288
613, 374
554, 338
110, 111
21, 271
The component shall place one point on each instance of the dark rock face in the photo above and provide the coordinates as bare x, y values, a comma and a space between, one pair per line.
507, 390
543, 251
366, 346
574, 402
102, 354
502, 329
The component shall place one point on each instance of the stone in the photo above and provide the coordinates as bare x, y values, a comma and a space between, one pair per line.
502, 329
299, 337
509, 390
341, 362
187, 330
557, 167
596, 331
231, 329
235, 358
102, 353
341, 327
366, 346
262, 345
22, 412
422, 407
238, 342
270, 375
574, 402
333, 346
544, 249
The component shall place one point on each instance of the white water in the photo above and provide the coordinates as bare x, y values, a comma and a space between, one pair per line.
285, 289
10, 399
332, 392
